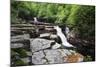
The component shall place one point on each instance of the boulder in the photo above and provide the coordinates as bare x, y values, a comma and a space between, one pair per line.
53, 36
17, 45
49, 29
39, 43
24, 36
45, 35
38, 58
56, 56
48, 36
20, 38
52, 56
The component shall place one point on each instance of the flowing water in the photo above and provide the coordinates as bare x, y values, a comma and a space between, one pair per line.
62, 36
35, 19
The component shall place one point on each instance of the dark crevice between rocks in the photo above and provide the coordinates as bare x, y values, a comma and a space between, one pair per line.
27, 45
30, 63
58, 40
45, 57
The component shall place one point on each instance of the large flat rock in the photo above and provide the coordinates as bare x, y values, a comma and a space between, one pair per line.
38, 58
48, 36
55, 56
24, 36
39, 43
17, 45
20, 38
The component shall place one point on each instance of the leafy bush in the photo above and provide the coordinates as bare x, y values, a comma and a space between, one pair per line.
22, 52
87, 58
19, 63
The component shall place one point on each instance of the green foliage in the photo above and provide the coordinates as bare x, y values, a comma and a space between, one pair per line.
22, 52
73, 17
87, 58
83, 19
19, 63
15, 53
78, 17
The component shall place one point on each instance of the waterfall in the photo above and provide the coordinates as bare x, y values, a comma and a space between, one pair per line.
62, 36
66, 30
35, 19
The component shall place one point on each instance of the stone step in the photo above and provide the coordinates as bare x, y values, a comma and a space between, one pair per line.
19, 38
24, 28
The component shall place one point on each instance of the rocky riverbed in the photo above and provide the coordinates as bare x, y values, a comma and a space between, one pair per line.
41, 48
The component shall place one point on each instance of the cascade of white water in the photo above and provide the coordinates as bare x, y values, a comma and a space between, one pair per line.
62, 36
66, 30
35, 19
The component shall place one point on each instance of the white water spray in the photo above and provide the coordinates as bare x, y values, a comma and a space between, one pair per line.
62, 36
35, 19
